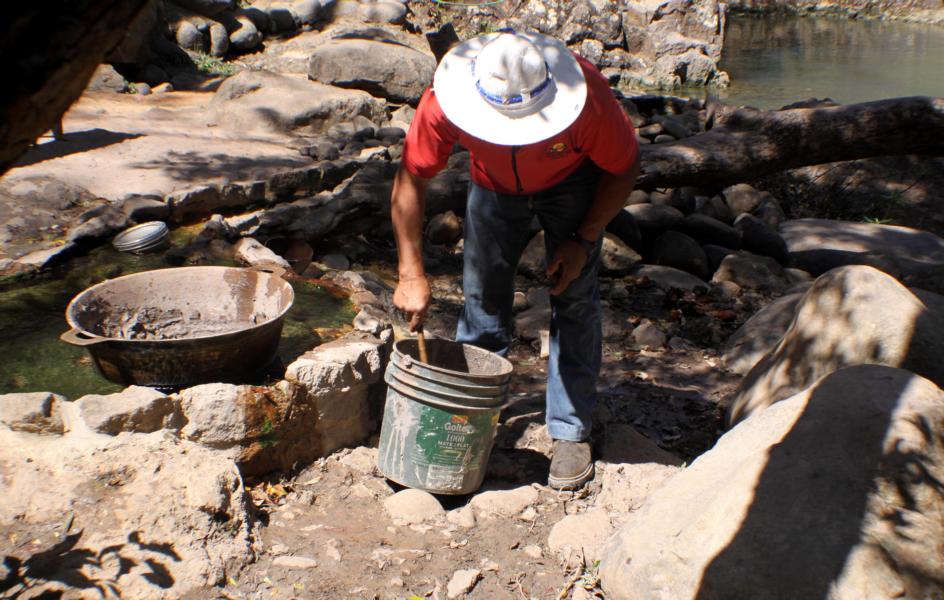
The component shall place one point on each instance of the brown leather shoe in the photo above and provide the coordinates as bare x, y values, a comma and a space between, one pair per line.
572, 465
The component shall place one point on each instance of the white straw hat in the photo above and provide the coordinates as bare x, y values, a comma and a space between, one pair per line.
511, 88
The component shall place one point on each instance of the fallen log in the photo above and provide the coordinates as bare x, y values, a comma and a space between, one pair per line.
50, 51
749, 143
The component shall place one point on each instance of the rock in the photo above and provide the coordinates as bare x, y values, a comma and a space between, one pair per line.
245, 35
715, 255
533, 261
647, 335
655, 218
102, 222
140, 88
281, 17
533, 551
624, 227
742, 198
849, 316
668, 278
265, 101
392, 71
215, 414
107, 79
769, 211
462, 582
371, 320
251, 252
32, 412
219, 40
760, 238
752, 272
411, 506
714, 207
760, 334
822, 479
335, 261
677, 250
504, 503
530, 322
444, 228
626, 487
623, 444
294, 562
207, 8
383, 12
581, 536
153, 75
134, 409
361, 460
910, 250
463, 517
309, 12
200, 200
176, 510
616, 257
709, 230
189, 37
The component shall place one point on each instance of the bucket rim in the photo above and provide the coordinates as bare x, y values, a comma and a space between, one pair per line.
400, 388
505, 374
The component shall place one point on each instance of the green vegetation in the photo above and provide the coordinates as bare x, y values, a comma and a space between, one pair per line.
211, 65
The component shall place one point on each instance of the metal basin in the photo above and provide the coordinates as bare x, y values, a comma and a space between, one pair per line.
181, 327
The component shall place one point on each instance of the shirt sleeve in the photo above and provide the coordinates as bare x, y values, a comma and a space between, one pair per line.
430, 139
606, 133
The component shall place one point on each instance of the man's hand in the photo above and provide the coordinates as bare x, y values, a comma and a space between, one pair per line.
566, 265
413, 297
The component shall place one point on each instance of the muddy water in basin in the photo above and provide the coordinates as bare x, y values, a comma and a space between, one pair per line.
32, 315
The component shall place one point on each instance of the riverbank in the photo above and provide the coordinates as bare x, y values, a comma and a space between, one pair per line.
914, 11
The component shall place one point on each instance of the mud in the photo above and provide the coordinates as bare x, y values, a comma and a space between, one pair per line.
153, 323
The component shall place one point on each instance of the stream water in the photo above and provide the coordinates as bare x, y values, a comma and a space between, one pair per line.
776, 60
32, 315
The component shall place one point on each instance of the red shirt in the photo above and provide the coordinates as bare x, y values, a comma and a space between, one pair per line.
602, 133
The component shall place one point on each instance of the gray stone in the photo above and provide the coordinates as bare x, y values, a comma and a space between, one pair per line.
760, 238
580, 537
462, 582
141, 208
648, 335
715, 255
616, 257
215, 414
816, 244
309, 12
140, 88
383, 12
266, 101
413, 506
444, 228
752, 272
742, 198
107, 79
668, 278
769, 211
714, 207
709, 230
530, 322
336, 261
251, 252
637, 197
281, 17
33, 412
825, 479
219, 40
189, 37
103, 222
760, 334
246, 35
397, 73
624, 227
675, 249
200, 200
654, 218
849, 316
135, 409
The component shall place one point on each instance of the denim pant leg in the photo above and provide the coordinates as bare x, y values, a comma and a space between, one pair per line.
496, 232
576, 325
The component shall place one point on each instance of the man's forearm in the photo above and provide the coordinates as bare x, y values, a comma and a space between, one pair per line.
610, 198
407, 209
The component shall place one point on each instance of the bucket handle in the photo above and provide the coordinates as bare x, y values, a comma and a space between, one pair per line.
77, 337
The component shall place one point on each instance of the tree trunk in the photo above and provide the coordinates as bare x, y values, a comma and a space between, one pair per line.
50, 50
748, 143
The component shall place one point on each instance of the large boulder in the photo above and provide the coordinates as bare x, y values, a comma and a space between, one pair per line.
392, 71
851, 315
831, 494
758, 336
815, 242
266, 101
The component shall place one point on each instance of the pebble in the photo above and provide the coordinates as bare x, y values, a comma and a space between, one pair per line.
413, 506
338, 262
533, 551
463, 517
277, 549
529, 514
462, 582
294, 562
331, 550
396, 582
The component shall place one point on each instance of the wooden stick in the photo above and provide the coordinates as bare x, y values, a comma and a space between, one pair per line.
421, 341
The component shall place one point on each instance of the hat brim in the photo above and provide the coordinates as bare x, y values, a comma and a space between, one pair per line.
463, 105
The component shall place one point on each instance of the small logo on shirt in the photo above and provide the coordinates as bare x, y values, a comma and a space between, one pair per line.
557, 149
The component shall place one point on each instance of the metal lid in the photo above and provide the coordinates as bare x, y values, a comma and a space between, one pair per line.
141, 237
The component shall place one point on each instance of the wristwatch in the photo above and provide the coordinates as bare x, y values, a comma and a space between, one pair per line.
586, 244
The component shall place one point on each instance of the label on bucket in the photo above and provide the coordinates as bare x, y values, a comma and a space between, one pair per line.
452, 445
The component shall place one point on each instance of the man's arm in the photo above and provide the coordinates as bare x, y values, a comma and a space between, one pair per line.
407, 209
611, 194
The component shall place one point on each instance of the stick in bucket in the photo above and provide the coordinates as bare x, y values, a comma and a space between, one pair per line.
421, 342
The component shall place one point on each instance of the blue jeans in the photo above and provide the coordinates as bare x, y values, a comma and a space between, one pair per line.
496, 233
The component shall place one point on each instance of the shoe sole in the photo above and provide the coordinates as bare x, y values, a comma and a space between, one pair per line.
571, 483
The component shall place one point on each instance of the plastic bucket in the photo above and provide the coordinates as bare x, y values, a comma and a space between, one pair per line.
440, 417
